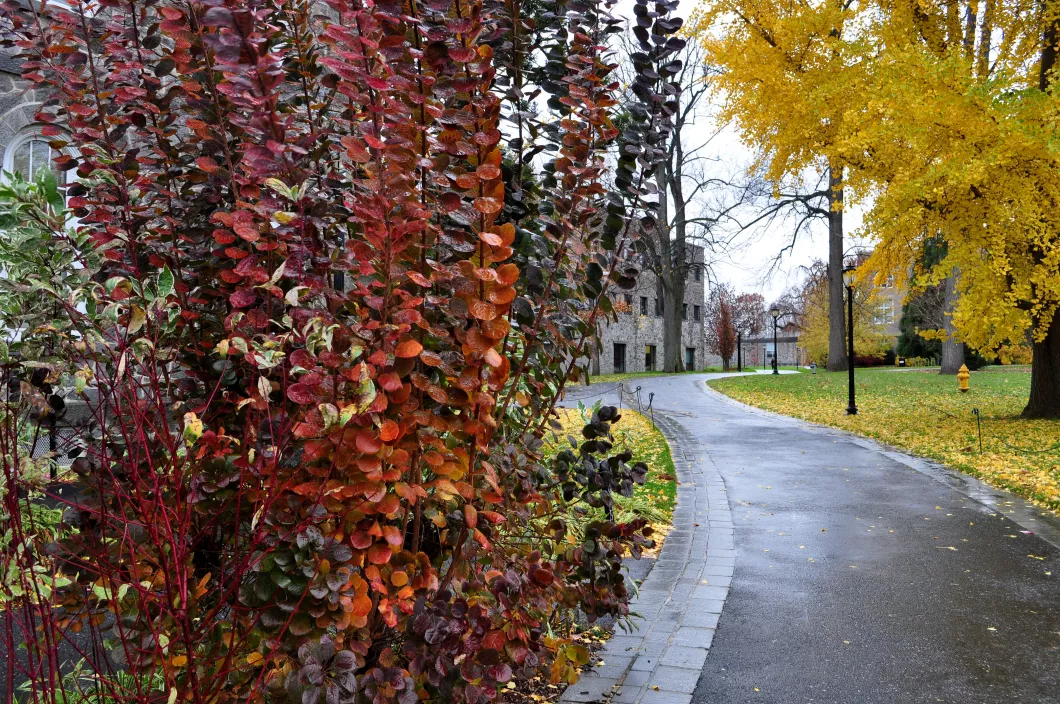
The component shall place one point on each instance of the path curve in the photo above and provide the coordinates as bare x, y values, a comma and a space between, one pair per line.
856, 574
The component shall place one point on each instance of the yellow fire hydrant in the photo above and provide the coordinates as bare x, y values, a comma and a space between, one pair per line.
962, 378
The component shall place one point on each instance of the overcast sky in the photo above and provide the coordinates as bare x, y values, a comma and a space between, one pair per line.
748, 266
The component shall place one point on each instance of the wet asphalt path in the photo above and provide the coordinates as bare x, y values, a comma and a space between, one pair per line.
860, 579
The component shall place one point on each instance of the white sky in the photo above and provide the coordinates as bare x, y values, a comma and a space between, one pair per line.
748, 266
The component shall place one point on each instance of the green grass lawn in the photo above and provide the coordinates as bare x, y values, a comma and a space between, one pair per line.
656, 498
922, 411
609, 378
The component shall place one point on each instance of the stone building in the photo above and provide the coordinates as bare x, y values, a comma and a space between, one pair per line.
23, 149
634, 341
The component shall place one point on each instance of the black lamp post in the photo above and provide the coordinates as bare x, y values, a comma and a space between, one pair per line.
775, 312
848, 280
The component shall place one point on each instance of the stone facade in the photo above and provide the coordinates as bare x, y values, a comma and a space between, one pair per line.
633, 342
18, 106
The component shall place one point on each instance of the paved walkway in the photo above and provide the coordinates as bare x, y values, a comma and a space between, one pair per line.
855, 574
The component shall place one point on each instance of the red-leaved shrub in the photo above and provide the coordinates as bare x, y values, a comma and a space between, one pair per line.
349, 265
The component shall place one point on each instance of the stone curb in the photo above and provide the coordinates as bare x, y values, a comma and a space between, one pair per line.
1012, 506
680, 601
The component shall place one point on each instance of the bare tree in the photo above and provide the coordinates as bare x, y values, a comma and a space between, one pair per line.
749, 311
801, 202
698, 193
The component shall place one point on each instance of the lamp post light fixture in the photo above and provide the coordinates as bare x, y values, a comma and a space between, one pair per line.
848, 281
775, 312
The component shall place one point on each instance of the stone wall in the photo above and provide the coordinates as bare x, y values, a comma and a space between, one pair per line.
18, 105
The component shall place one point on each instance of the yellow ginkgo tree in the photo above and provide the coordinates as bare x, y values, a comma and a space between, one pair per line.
944, 115
959, 140
789, 75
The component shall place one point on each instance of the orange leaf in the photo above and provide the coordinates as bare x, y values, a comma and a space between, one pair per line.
389, 432
408, 348
393, 535
493, 358
507, 233
379, 554
482, 310
307, 489
362, 605
502, 296
507, 274
488, 206
477, 341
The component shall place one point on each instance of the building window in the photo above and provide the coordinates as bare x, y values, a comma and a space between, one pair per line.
649, 358
643, 305
684, 311
628, 299
28, 156
620, 357
690, 358
698, 273
695, 313
658, 307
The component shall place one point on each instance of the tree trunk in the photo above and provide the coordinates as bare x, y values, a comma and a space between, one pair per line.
837, 355
595, 353
1045, 375
672, 258
1044, 400
952, 351
672, 320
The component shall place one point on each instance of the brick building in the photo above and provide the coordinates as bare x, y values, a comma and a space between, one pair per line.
634, 341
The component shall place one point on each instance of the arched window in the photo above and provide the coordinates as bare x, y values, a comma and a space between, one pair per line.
28, 155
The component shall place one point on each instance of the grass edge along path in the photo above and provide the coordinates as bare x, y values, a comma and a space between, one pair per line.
636, 432
654, 500
924, 414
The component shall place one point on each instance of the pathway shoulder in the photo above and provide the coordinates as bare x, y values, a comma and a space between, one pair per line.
680, 602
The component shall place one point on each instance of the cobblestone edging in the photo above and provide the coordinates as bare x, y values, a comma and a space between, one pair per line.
680, 602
